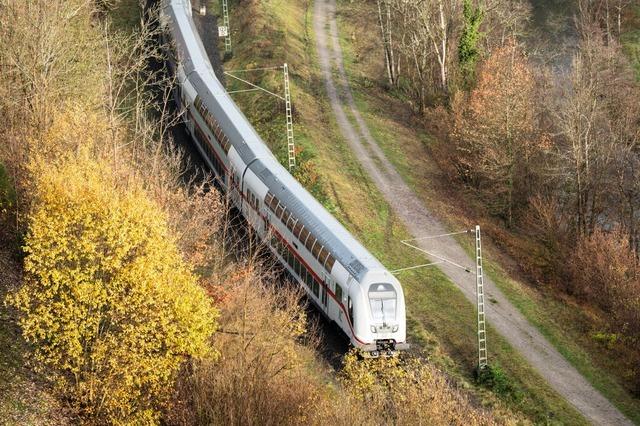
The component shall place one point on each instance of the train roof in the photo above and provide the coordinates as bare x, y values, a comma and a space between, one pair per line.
254, 152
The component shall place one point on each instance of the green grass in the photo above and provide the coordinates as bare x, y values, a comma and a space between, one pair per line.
125, 16
558, 321
440, 320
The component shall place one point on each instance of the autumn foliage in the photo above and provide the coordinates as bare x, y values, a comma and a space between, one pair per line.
407, 391
495, 131
606, 272
107, 302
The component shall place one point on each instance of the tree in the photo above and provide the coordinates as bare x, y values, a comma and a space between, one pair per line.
496, 131
600, 136
386, 23
107, 301
468, 46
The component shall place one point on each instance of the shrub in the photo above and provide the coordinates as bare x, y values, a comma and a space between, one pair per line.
605, 271
260, 376
107, 302
407, 391
494, 378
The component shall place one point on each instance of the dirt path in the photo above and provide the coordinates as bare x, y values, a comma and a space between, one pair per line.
502, 315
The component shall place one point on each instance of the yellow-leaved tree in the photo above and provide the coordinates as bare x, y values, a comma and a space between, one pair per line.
107, 301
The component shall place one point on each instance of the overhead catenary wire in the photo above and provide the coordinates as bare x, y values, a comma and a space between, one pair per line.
443, 259
440, 258
242, 91
254, 85
279, 67
395, 271
467, 231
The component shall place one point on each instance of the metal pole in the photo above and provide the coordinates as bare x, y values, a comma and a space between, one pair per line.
482, 332
225, 20
291, 148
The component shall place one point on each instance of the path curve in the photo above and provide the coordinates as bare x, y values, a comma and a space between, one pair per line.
503, 316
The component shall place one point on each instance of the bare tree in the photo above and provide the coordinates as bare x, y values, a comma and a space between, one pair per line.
601, 133
386, 24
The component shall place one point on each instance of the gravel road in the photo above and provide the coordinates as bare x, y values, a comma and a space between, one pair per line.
502, 315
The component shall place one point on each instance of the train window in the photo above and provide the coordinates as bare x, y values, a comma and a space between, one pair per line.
299, 267
304, 234
324, 295
382, 301
279, 211
292, 220
323, 255
338, 293
297, 229
329, 263
310, 242
268, 198
316, 249
316, 288
285, 216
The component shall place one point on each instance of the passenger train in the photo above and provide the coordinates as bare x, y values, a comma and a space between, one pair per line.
346, 283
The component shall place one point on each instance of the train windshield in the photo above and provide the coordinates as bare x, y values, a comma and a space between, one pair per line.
382, 299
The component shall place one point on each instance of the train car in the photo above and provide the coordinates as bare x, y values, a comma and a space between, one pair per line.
345, 282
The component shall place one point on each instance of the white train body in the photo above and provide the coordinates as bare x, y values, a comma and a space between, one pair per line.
340, 276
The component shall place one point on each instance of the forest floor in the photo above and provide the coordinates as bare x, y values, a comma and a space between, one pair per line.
504, 316
25, 397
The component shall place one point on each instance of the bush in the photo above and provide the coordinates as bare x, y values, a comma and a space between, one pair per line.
107, 302
494, 378
407, 391
260, 376
605, 271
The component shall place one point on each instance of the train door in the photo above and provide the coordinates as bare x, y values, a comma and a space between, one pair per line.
233, 189
252, 206
264, 212
328, 285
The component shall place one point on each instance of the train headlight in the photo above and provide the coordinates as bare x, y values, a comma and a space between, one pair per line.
395, 328
374, 329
